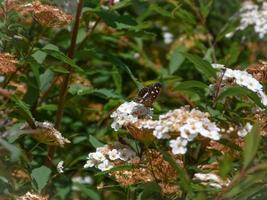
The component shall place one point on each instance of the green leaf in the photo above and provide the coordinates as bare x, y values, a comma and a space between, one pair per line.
160, 10
39, 56
23, 110
14, 151
89, 192
46, 79
205, 7
41, 176
176, 60
62, 57
95, 142
117, 79
201, 65
116, 20
190, 84
240, 91
226, 165
149, 189
59, 69
251, 145
78, 89
118, 63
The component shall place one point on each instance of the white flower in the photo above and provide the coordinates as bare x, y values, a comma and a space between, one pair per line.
190, 131
60, 167
211, 179
128, 112
105, 165
168, 37
83, 180
243, 131
253, 15
161, 132
90, 163
114, 154
245, 79
263, 98
98, 156
179, 145
217, 66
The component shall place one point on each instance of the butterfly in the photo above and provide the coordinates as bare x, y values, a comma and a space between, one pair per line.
147, 95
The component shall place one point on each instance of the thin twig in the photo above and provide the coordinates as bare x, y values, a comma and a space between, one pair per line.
66, 79
65, 84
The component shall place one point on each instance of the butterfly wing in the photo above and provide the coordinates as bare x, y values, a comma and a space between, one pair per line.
147, 95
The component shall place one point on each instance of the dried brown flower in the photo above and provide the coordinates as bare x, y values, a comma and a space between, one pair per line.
152, 167
261, 117
46, 15
20, 174
30, 196
259, 71
7, 63
47, 134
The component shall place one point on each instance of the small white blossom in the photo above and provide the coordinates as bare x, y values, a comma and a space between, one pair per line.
179, 145
168, 37
242, 132
211, 179
105, 165
60, 167
114, 154
97, 156
83, 180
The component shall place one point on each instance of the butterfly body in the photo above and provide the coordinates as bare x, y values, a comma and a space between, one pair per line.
147, 95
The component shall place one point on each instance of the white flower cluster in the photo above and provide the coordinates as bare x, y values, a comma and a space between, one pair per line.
105, 157
189, 123
243, 78
243, 131
253, 15
211, 179
129, 112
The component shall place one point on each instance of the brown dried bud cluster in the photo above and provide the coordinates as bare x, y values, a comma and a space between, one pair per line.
47, 134
259, 71
152, 167
7, 63
21, 174
30, 196
261, 117
46, 15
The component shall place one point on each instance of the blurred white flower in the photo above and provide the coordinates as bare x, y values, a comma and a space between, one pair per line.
114, 154
60, 167
179, 145
105, 165
211, 179
253, 15
83, 180
168, 37
243, 131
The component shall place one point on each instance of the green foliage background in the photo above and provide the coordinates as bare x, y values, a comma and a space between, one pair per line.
123, 52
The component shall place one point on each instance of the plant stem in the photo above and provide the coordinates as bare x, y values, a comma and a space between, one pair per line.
65, 84
66, 79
